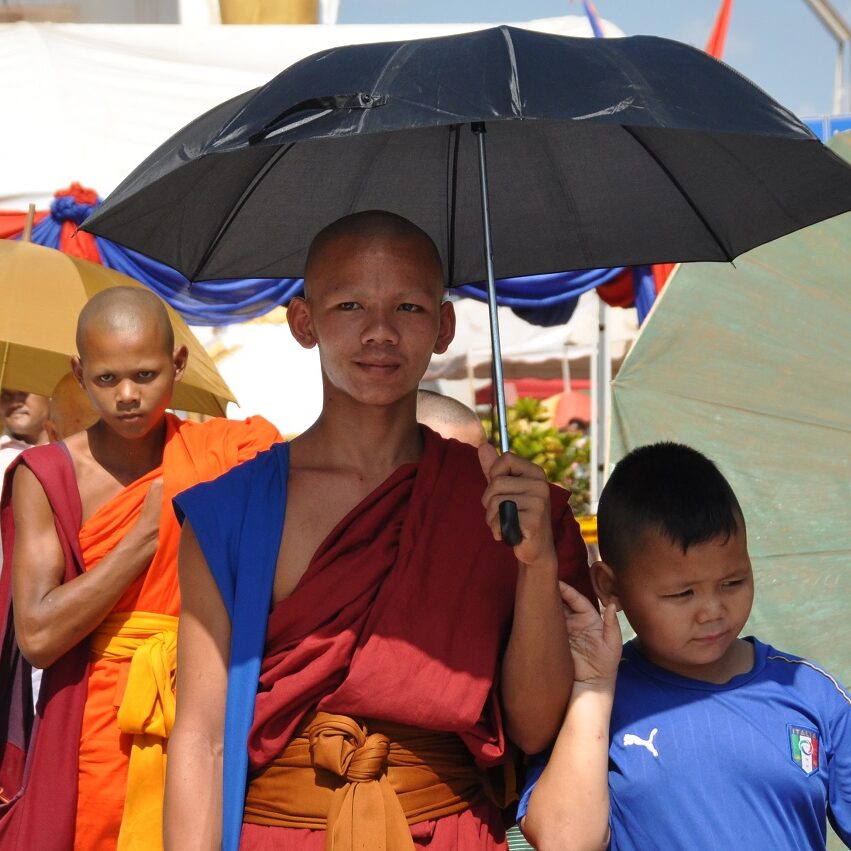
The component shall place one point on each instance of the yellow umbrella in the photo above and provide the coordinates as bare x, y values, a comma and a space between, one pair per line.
42, 292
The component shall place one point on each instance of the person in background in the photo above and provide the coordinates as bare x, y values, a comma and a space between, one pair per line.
690, 736
24, 415
449, 418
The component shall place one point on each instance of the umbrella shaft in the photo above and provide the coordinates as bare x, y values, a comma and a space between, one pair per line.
499, 384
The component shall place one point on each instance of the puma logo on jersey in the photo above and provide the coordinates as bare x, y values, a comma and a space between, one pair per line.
632, 739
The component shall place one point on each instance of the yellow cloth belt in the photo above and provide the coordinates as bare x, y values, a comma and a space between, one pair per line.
364, 786
146, 712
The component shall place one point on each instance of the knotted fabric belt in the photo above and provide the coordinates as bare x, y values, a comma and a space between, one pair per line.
146, 712
364, 785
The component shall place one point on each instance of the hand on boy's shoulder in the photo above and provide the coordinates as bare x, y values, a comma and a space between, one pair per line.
595, 639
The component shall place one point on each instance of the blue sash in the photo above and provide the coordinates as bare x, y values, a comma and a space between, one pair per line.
238, 520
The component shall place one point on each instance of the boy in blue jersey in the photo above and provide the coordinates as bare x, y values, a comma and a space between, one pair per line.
688, 737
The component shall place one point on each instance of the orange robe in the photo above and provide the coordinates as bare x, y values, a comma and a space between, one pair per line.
193, 453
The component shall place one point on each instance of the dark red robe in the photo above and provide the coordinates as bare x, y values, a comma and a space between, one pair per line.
403, 614
43, 818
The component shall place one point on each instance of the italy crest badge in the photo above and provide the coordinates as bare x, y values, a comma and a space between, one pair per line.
805, 748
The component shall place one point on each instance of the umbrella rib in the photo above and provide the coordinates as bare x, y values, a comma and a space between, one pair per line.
234, 210
685, 196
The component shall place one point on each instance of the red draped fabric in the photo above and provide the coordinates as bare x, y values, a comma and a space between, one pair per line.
12, 222
71, 241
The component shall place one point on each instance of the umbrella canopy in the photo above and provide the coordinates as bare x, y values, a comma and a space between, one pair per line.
750, 366
600, 153
41, 294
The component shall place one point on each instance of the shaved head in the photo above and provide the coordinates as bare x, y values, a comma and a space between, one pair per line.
449, 417
125, 311
372, 226
70, 410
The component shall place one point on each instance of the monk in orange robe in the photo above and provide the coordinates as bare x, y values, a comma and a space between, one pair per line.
403, 643
124, 606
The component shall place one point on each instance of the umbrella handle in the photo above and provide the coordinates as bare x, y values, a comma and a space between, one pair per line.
509, 523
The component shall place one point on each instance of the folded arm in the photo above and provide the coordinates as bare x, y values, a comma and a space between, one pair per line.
194, 777
52, 616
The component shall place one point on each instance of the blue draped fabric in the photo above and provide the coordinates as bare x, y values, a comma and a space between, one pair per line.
543, 300
644, 285
238, 520
541, 291
201, 302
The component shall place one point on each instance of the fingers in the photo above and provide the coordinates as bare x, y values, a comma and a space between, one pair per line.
487, 458
154, 496
611, 627
511, 478
509, 464
533, 508
515, 479
578, 603
156, 488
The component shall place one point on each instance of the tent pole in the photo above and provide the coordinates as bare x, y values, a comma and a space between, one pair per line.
3, 363
508, 516
601, 376
565, 368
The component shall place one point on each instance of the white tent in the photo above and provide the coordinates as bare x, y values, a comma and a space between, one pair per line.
89, 102
533, 347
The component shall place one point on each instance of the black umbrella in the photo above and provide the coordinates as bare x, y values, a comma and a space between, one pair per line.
599, 153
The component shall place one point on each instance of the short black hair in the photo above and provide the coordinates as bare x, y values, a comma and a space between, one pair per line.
666, 488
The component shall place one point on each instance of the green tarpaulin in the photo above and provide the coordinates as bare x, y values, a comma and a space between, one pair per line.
752, 365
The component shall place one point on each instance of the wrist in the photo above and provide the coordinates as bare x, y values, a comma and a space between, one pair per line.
546, 563
603, 687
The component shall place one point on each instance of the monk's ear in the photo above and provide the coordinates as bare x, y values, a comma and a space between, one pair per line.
301, 323
446, 329
180, 359
77, 369
605, 582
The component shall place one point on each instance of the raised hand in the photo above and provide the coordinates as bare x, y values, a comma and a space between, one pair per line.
595, 640
524, 483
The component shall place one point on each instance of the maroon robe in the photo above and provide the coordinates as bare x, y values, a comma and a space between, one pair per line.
38, 762
403, 614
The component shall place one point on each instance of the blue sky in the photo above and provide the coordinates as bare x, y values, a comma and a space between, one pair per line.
779, 44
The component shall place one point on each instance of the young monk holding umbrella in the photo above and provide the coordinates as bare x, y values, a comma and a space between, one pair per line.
405, 642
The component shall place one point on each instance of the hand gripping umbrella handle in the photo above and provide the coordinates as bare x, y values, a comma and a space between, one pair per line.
509, 523
509, 520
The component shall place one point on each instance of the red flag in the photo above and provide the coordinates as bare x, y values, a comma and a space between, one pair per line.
715, 45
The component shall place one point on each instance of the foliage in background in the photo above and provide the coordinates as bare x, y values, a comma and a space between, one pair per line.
565, 456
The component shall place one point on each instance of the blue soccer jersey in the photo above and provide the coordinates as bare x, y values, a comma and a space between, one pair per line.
754, 764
